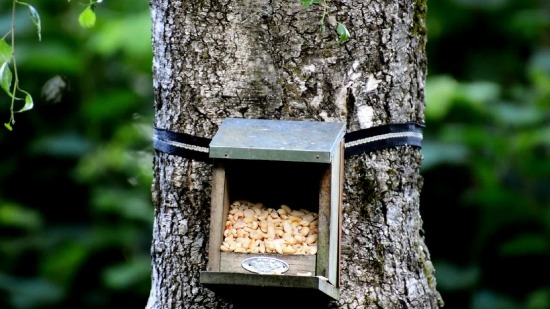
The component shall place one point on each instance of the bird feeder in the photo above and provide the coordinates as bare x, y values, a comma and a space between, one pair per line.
276, 207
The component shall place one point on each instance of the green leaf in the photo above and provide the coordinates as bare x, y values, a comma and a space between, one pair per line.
484, 299
517, 115
480, 92
28, 102
538, 299
128, 274
525, 244
36, 20
62, 263
86, 19
18, 216
452, 277
343, 33
6, 52
441, 91
5, 78
35, 17
306, 3
25, 293
438, 152
8, 126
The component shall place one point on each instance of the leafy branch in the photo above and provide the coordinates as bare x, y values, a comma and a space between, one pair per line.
341, 30
9, 81
9, 78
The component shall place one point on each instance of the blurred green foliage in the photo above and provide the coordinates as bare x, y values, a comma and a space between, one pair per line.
75, 209
485, 202
76, 171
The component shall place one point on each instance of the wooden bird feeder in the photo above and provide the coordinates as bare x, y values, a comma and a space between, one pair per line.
282, 180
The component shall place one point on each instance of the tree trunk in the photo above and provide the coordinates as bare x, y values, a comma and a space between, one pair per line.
268, 59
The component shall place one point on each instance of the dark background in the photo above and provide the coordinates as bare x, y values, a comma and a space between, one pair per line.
75, 173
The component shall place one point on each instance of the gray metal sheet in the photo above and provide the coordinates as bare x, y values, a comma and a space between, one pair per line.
276, 140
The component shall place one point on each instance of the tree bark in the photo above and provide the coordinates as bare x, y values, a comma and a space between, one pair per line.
268, 59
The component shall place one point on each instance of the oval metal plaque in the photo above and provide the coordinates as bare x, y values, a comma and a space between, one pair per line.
265, 265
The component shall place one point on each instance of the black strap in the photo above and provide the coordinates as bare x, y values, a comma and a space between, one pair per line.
181, 144
384, 136
357, 142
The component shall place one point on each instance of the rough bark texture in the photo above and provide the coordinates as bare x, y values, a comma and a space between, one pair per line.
267, 59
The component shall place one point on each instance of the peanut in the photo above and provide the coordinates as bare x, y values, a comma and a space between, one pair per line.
253, 228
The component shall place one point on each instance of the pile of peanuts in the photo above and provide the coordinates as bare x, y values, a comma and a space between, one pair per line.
253, 228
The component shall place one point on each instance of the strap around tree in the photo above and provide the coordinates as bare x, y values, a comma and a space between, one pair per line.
356, 142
